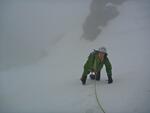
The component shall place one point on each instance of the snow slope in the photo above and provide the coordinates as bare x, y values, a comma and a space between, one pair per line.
52, 84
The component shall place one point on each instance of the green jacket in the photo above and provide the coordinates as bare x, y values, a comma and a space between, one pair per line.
94, 64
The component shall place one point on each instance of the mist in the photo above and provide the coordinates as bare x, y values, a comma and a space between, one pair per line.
30, 28
44, 45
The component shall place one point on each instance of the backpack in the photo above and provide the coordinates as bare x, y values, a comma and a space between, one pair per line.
91, 57
92, 54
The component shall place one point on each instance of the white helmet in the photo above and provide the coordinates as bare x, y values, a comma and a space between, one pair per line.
103, 50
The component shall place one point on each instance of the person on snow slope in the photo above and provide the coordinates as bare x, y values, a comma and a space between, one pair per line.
94, 65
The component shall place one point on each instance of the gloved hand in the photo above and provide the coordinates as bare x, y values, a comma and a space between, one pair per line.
92, 73
92, 76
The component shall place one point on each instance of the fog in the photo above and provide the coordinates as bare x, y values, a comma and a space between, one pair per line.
45, 43
30, 28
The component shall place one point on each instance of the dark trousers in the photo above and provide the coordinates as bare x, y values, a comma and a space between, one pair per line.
98, 75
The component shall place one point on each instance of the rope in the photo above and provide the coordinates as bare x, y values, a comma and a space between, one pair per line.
99, 104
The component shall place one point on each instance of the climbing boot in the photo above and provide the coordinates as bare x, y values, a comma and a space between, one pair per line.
110, 80
83, 80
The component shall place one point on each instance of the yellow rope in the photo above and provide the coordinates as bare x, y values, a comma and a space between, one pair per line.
100, 106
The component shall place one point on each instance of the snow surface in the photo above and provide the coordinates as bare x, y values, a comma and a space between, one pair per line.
51, 84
